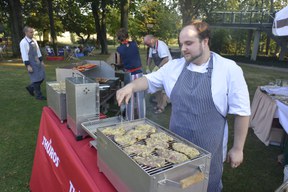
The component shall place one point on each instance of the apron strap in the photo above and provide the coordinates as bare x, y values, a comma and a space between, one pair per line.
210, 66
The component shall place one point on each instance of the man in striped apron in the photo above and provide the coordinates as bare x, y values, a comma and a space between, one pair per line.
203, 88
33, 61
160, 54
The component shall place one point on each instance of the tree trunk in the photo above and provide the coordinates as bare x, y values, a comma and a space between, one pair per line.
103, 41
16, 24
100, 26
52, 27
248, 43
95, 5
45, 37
124, 7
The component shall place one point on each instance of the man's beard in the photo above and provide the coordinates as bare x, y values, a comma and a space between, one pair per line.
193, 58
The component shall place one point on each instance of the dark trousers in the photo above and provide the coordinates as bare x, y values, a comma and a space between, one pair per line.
36, 86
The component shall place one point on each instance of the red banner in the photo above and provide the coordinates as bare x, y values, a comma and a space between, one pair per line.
63, 164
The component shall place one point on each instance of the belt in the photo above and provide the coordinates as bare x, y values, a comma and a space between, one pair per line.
133, 70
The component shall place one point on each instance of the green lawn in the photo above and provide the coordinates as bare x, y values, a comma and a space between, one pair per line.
20, 117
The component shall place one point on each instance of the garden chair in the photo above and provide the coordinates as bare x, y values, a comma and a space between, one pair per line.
92, 52
49, 51
2, 50
70, 54
61, 51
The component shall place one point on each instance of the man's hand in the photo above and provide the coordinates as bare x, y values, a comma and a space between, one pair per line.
235, 157
29, 69
124, 94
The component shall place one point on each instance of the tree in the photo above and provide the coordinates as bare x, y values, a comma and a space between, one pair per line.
4, 17
16, 24
201, 9
156, 18
113, 21
124, 10
52, 26
99, 10
190, 9
37, 16
78, 13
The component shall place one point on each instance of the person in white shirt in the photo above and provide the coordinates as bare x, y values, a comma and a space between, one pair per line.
160, 54
32, 58
203, 88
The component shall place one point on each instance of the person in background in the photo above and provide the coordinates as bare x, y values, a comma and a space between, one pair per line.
77, 50
32, 58
160, 54
203, 88
128, 56
87, 49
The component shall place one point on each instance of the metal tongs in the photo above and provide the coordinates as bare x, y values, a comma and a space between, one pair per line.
123, 114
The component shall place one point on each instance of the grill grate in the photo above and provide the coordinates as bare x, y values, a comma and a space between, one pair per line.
155, 170
150, 170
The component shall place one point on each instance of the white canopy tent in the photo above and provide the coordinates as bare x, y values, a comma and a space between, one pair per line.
280, 24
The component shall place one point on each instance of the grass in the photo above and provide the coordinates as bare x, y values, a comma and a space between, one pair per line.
20, 117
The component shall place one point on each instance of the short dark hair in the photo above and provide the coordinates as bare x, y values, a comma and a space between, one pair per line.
122, 34
202, 28
25, 29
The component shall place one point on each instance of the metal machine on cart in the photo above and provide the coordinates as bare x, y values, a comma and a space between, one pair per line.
83, 103
101, 69
191, 174
56, 98
89, 86
102, 73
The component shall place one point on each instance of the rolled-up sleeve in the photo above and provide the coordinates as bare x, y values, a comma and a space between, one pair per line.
166, 76
238, 95
155, 82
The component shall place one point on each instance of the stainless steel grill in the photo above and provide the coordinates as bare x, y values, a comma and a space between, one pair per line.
83, 103
127, 175
102, 69
56, 99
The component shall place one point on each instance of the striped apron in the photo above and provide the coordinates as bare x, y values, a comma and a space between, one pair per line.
38, 70
155, 56
195, 118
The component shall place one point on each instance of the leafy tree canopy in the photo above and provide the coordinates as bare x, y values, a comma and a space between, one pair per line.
77, 18
156, 18
36, 15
